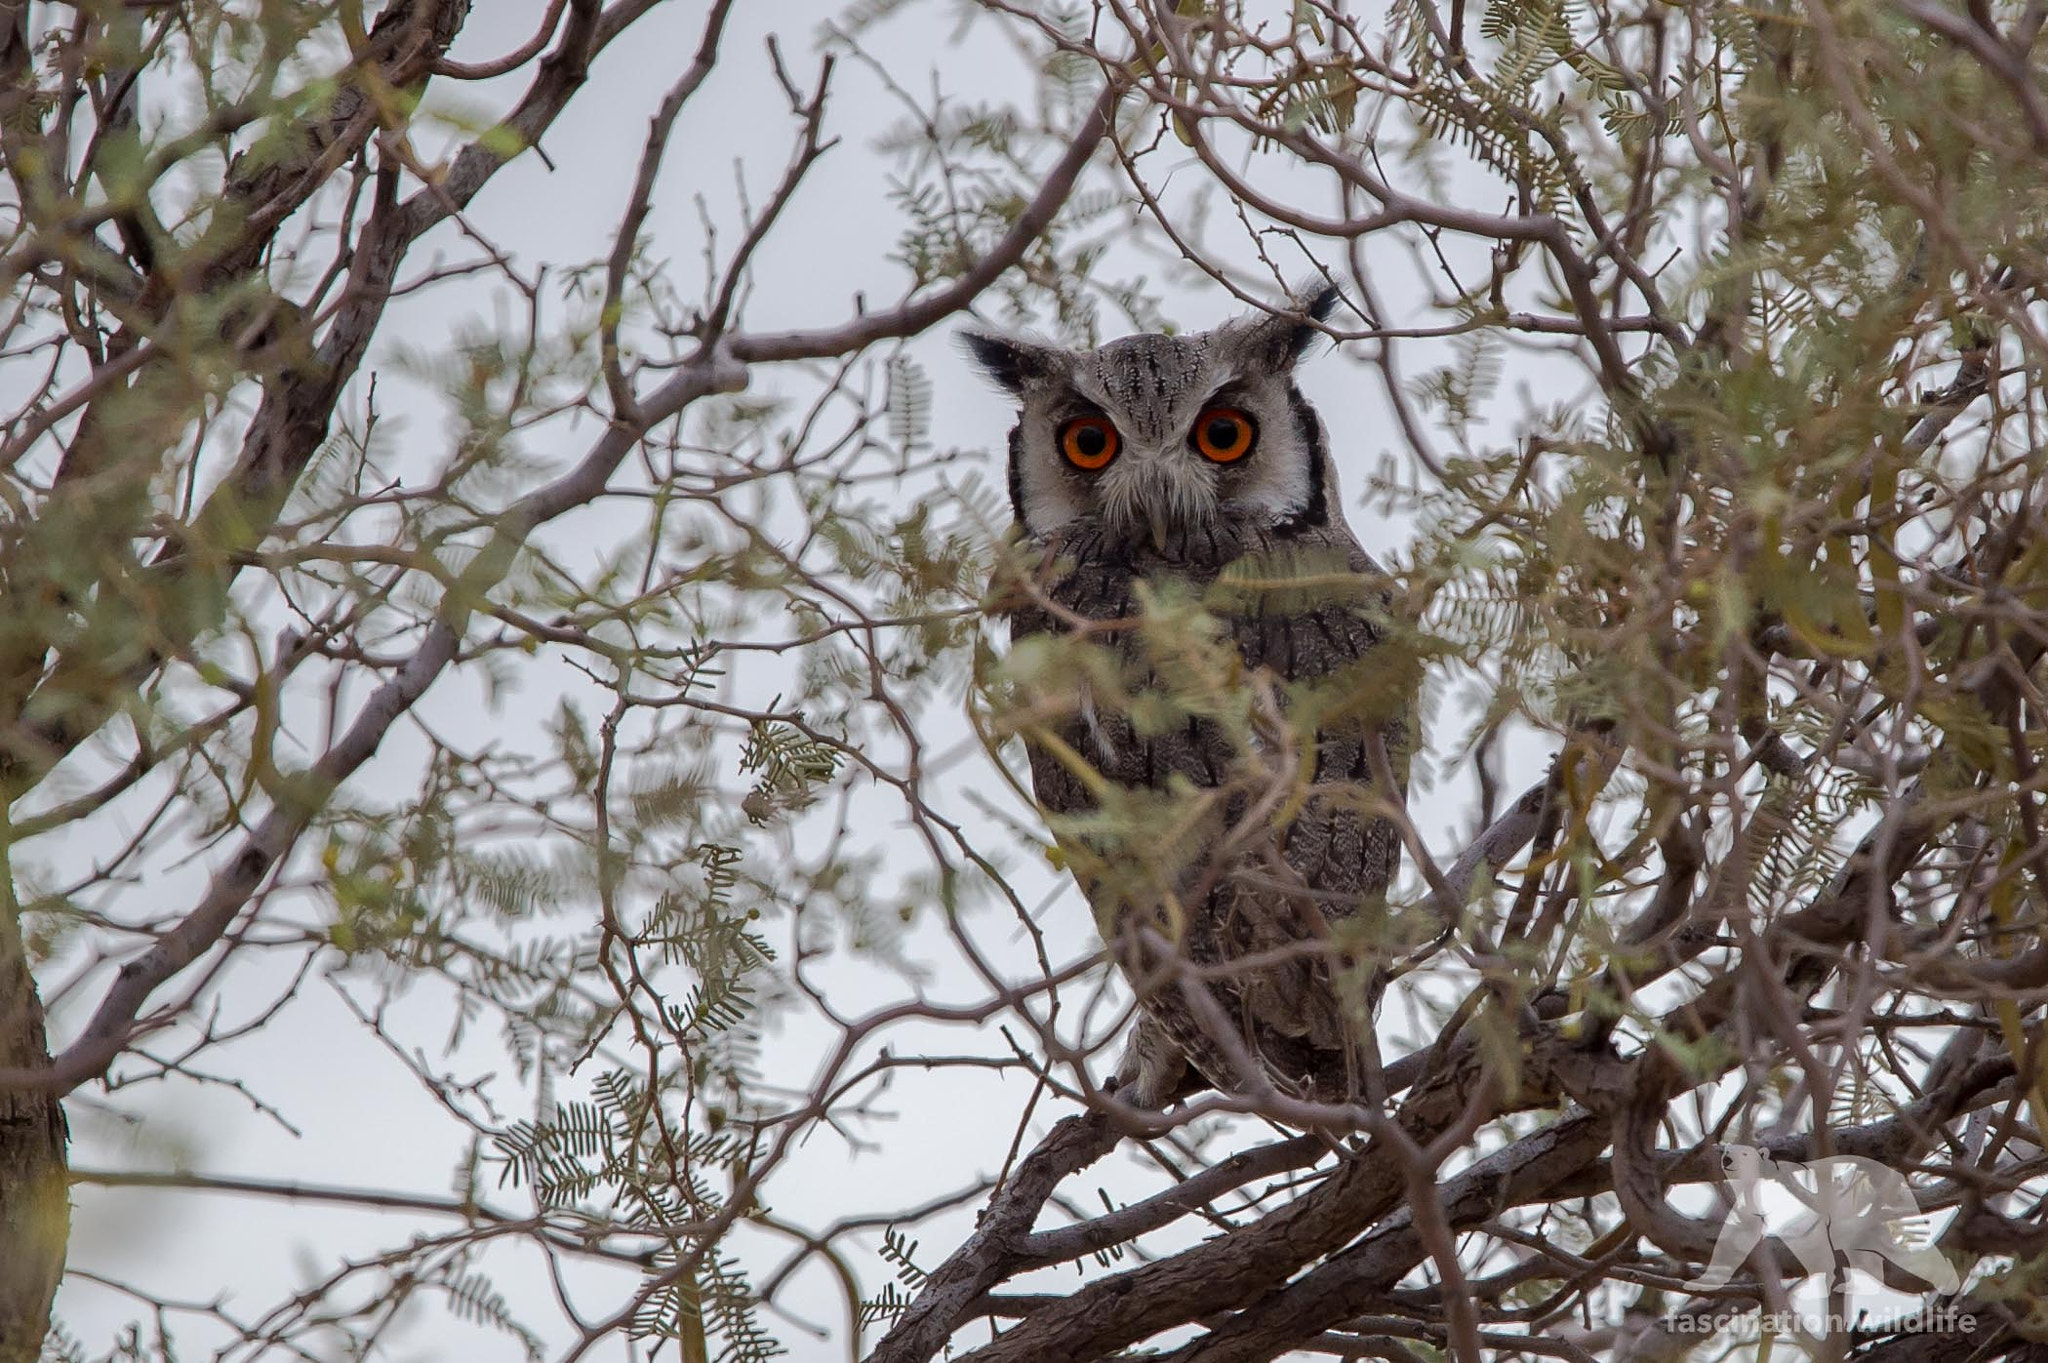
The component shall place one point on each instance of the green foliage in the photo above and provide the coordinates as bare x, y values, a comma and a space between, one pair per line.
790, 765
474, 1298
721, 1301
899, 1252
1462, 388
619, 1151
910, 405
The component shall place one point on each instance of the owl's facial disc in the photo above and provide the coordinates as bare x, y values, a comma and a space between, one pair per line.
1156, 494
1201, 460
1162, 438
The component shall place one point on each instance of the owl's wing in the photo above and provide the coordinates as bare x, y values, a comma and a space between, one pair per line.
1336, 853
1325, 639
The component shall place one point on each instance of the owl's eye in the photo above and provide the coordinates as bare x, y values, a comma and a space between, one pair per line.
1224, 434
1088, 442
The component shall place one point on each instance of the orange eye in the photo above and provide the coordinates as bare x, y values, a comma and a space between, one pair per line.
1224, 434
1089, 442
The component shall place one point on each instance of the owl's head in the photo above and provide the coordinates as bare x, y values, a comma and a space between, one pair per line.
1155, 436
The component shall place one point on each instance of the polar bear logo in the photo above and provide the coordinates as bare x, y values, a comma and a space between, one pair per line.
1853, 1207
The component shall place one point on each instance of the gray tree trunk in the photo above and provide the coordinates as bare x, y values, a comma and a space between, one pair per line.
35, 1206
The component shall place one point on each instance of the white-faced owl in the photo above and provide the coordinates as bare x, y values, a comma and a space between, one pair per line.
1192, 468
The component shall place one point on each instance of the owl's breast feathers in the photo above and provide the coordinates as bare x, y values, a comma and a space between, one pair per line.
1251, 887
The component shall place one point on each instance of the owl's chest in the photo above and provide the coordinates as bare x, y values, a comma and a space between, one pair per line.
1170, 690
1302, 618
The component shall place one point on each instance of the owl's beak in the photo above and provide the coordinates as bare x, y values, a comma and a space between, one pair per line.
1156, 515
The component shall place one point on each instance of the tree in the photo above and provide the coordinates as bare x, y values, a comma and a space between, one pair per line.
1717, 490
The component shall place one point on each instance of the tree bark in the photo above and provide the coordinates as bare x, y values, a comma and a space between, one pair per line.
35, 1207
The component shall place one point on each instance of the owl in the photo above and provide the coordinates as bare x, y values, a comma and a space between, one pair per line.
1190, 469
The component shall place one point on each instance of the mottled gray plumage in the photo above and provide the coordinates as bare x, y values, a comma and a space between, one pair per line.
1161, 512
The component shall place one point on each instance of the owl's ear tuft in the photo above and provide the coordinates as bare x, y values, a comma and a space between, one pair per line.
1281, 338
1012, 364
1318, 300
1315, 302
